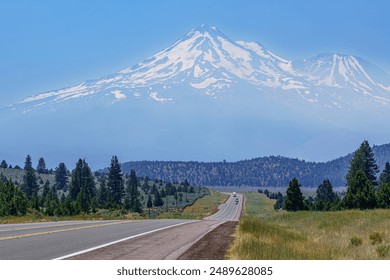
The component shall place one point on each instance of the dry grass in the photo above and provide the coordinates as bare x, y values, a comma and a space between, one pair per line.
206, 205
267, 234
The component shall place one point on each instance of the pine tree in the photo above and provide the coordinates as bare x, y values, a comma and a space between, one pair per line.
28, 163
103, 196
149, 203
363, 160
12, 200
19, 201
154, 189
82, 187
385, 175
45, 193
115, 181
325, 196
133, 181
3, 164
61, 177
30, 184
384, 195
294, 198
158, 201
360, 193
132, 197
52, 203
41, 167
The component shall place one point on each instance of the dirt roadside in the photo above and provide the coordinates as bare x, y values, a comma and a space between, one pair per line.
212, 246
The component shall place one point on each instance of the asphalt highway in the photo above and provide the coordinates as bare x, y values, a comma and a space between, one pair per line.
58, 240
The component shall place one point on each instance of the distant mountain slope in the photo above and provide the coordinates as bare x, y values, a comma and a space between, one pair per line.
274, 171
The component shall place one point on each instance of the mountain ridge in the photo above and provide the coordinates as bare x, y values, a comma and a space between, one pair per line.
208, 61
270, 171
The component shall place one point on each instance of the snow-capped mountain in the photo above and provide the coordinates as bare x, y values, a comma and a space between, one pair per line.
208, 97
205, 59
209, 62
346, 72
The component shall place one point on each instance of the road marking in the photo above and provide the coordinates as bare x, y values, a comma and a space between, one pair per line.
120, 240
60, 230
46, 226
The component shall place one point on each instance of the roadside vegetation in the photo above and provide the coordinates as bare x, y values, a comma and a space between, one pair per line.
265, 233
353, 225
38, 194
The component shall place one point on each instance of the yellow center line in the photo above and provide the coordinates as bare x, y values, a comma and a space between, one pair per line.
39, 227
61, 230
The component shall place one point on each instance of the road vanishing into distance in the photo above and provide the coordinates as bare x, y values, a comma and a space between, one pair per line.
119, 239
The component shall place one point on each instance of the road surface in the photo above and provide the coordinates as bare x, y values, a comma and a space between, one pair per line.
122, 239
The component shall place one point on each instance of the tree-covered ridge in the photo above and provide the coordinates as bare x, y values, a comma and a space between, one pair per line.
81, 191
363, 189
272, 171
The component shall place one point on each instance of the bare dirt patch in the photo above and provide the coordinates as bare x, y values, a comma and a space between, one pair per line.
212, 246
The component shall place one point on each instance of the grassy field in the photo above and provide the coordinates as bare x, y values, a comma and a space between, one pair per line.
264, 233
202, 207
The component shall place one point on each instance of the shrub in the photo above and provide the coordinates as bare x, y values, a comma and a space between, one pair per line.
356, 241
376, 237
383, 250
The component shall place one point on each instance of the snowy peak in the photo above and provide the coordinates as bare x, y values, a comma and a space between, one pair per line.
207, 59
208, 62
342, 71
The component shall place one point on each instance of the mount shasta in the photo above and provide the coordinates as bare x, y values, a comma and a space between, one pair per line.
207, 97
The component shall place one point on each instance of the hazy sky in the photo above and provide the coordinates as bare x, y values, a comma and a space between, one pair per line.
46, 45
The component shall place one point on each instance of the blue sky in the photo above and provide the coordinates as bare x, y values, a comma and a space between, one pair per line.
46, 45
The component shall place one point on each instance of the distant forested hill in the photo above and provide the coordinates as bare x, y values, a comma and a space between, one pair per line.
272, 171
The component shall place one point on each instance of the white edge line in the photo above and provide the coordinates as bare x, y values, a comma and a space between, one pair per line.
120, 240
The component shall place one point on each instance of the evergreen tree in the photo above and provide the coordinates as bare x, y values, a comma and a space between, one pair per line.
149, 203
52, 203
3, 164
28, 163
360, 193
363, 160
115, 181
279, 201
12, 200
133, 181
294, 198
163, 194
19, 202
30, 184
154, 190
132, 198
41, 167
34, 201
61, 177
384, 195
325, 196
103, 196
385, 175
82, 187
158, 201
45, 193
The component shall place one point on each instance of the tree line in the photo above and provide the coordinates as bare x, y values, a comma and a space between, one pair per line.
270, 171
365, 190
82, 191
